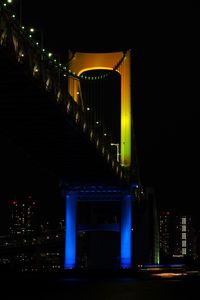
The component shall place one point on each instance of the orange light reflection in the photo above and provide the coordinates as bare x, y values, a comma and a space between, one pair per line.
168, 275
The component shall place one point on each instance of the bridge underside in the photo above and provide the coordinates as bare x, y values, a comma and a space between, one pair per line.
33, 125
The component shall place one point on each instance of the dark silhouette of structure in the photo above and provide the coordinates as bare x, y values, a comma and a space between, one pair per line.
59, 119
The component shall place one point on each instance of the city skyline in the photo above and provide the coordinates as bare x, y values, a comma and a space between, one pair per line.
168, 237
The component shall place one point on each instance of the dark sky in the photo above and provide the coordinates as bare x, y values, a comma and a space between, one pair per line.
164, 42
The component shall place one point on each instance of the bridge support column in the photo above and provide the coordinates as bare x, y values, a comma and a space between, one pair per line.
126, 232
70, 231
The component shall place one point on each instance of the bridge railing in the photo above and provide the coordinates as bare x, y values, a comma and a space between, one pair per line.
53, 77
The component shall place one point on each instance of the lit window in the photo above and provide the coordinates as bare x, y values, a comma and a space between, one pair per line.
183, 236
183, 243
183, 228
184, 251
184, 221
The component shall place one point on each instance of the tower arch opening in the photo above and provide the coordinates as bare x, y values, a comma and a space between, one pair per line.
116, 61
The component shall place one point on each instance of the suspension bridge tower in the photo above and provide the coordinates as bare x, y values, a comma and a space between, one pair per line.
92, 80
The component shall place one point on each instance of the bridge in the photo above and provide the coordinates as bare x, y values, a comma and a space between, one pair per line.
76, 118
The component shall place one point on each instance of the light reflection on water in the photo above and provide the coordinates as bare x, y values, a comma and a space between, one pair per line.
168, 275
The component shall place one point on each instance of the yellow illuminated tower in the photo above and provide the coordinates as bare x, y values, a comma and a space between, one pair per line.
121, 63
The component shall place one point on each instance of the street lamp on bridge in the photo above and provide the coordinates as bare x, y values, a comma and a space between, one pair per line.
118, 154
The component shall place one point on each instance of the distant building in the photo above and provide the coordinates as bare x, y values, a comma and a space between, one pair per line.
166, 233
23, 216
197, 245
176, 235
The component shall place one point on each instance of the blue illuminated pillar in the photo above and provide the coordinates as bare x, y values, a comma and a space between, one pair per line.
70, 231
126, 233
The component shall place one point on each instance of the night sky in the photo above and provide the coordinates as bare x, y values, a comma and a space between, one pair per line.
164, 42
